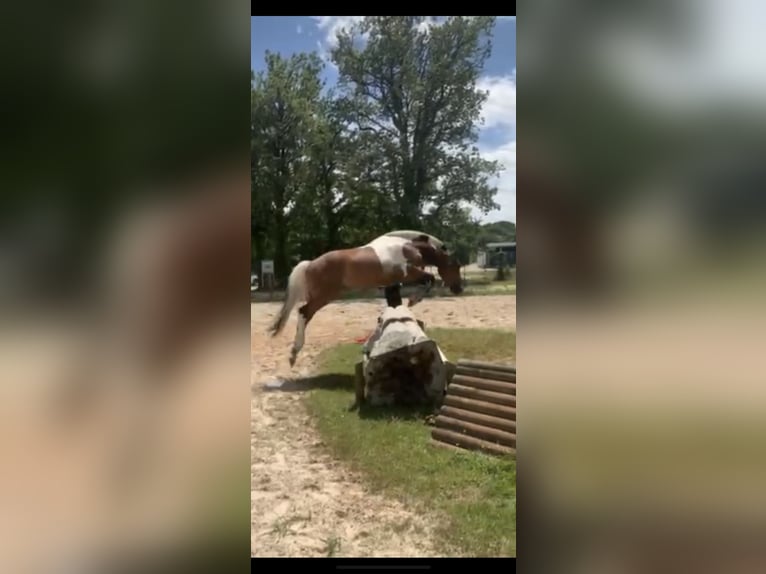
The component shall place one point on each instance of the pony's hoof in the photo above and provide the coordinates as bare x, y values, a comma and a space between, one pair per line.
292, 360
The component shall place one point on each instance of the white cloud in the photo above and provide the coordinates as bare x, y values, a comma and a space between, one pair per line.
325, 55
331, 25
299, 29
499, 111
428, 23
500, 108
505, 154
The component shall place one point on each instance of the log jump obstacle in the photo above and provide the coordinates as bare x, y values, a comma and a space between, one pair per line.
479, 409
400, 363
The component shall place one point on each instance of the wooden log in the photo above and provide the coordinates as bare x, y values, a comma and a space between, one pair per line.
447, 446
479, 394
485, 374
469, 442
508, 412
487, 366
485, 384
499, 423
450, 369
476, 431
479, 409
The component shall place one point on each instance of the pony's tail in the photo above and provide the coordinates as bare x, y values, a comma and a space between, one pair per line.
296, 291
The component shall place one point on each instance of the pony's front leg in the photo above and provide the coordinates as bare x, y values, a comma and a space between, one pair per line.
393, 295
417, 276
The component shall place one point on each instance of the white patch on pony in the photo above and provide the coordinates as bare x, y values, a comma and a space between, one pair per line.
389, 252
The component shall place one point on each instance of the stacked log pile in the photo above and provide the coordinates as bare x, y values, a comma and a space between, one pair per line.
479, 409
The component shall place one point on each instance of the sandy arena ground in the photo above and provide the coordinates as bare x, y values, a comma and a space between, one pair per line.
303, 502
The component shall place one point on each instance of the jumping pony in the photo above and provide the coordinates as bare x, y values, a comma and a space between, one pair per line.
388, 260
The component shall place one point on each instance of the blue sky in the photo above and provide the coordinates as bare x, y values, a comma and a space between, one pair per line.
497, 139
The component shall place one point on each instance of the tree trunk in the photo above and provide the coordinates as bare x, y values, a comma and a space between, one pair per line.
281, 264
258, 248
410, 212
331, 218
332, 232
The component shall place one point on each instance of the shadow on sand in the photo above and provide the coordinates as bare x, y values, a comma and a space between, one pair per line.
328, 381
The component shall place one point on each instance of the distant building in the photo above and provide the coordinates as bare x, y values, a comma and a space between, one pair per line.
493, 254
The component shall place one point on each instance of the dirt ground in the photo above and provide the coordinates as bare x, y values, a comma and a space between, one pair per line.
303, 502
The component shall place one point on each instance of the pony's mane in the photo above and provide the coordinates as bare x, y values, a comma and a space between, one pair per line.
432, 255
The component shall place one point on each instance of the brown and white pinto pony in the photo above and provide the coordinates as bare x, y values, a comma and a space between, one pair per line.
387, 260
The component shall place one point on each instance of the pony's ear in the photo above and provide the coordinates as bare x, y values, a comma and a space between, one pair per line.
422, 239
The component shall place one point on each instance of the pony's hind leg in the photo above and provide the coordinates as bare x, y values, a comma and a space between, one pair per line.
300, 334
305, 314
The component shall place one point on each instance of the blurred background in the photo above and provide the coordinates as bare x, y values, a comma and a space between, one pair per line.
124, 264
641, 188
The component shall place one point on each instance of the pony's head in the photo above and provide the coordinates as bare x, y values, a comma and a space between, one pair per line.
435, 253
449, 270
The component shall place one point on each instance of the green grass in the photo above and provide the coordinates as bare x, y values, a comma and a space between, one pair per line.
491, 288
472, 495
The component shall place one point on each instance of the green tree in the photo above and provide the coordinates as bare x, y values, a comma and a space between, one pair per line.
332, 192
458, 229
497, 232
415, 91
284, 102
260, 205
